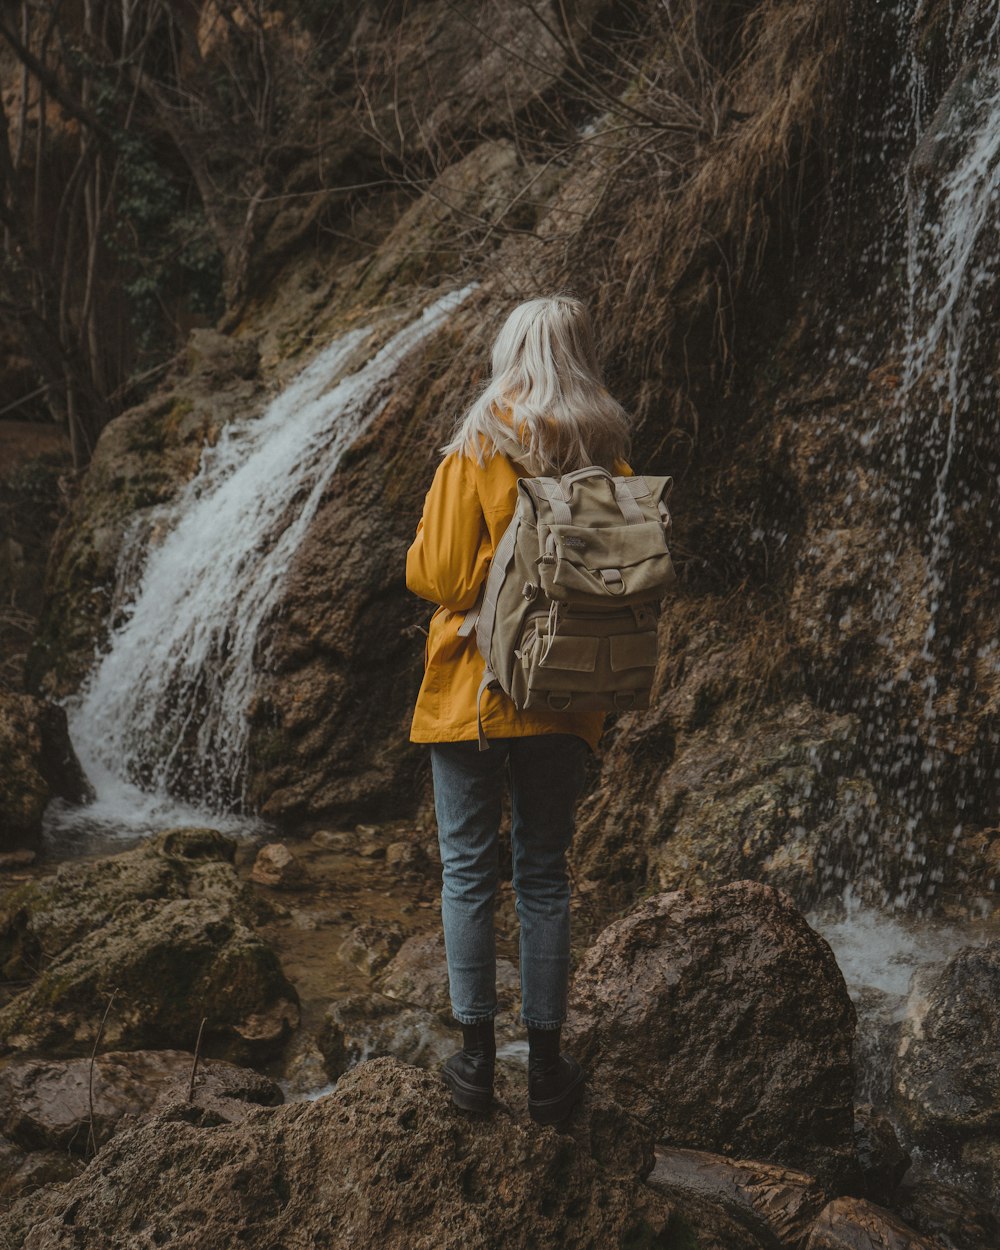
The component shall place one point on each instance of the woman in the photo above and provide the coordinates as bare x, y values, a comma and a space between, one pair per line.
544, 412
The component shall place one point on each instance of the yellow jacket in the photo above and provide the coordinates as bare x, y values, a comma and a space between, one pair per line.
465, 514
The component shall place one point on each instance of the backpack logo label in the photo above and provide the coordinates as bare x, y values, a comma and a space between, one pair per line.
574, 541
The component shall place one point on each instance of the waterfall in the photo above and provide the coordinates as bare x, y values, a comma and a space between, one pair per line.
925, 457
162, 716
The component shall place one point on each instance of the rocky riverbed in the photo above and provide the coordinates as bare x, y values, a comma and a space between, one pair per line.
717, 1030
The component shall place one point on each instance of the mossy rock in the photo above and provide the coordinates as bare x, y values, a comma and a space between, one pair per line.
41, 919
158, 967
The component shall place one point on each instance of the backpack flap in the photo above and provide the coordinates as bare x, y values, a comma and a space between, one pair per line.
602, 537
592, 564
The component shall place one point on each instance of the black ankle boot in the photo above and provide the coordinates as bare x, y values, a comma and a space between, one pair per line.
555, 1081
469, 1072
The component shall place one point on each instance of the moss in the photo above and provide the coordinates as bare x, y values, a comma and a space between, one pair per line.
146, 435
178, 425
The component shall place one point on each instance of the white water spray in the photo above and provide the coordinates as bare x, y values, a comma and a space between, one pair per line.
947, 272
164, 711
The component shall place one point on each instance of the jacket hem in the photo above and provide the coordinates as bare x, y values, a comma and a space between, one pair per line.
470, 733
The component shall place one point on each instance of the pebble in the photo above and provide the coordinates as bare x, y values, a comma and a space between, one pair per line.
334, 841
276, 866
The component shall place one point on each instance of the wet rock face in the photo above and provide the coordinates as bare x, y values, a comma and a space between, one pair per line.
37, 763
937, 1209
946, 1077
142, 458
347, 664
383, 1161
45, 1104
724, 1023
853, 1224
882, 1160
760, 1202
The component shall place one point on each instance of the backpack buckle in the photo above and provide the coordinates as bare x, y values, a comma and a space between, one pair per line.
624, 700
558, 702
529, 590
613, 581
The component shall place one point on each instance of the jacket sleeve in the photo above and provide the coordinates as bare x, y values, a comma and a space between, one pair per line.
449, 558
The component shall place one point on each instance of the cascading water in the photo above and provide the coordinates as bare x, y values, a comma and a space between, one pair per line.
922, 463
941, 273
162, 715
953, 259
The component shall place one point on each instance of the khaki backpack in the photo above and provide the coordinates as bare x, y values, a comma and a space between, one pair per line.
568, 615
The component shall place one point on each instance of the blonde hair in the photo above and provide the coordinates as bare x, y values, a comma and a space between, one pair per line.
546, 404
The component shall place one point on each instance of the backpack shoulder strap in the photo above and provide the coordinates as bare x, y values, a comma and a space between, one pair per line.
625, 496
547, 489
486, 616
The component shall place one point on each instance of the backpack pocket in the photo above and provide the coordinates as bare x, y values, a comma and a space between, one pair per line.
596, 662
594, 564
628, 651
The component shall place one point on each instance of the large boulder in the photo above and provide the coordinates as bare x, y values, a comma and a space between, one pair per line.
384, 1161
157, 968
946, 1077
724, 1022
37, 763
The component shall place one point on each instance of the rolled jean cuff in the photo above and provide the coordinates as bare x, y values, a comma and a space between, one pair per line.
480, 1019
542, 1024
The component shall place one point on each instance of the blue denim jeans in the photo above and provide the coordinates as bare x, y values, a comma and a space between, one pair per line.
546, 777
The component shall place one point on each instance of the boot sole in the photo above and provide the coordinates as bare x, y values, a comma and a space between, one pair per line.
555, 1110
468, 1097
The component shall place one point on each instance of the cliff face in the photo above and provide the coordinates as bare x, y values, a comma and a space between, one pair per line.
739, 193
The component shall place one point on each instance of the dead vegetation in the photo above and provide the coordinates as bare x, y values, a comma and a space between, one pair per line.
682, 241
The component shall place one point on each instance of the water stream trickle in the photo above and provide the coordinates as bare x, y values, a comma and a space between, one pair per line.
160, 724
938, 155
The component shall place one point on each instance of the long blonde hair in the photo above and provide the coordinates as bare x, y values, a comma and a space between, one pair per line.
546, 405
